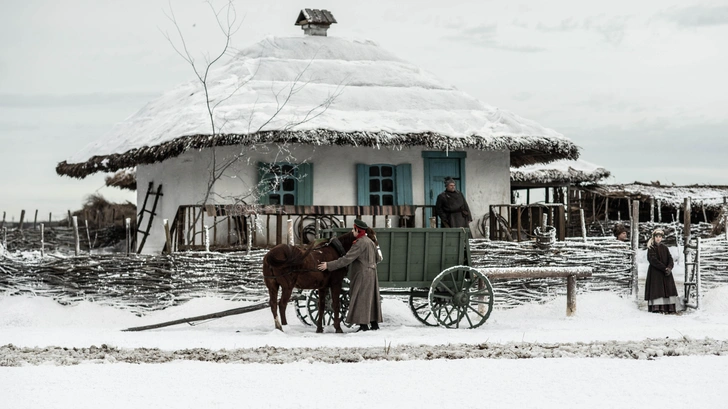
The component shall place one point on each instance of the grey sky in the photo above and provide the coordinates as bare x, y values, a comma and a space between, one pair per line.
639, 85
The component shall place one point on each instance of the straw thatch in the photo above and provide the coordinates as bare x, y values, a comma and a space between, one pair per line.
123, 179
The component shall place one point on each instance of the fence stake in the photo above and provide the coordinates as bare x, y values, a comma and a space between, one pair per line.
35, 219
652, 209
167, 235
77, 248
127, 223
634, 226
22, 217
42, 242
50, 218
659, 211
3, 225
5, 237
583, 224
249, 220
88, 236
207, 238
289, 225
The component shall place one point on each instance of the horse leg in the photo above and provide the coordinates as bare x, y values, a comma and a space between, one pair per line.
285, 297
273, 302
321, 309
336, 305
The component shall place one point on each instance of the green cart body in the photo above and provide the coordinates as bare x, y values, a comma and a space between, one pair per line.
432, 267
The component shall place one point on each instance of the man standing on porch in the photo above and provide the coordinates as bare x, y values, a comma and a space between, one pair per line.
451, 207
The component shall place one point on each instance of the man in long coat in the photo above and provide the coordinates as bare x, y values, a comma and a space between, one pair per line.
452, 208
364, 305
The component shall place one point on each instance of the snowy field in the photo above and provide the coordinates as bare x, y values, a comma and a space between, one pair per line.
611, 354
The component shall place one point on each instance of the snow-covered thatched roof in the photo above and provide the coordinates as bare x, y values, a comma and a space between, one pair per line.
671, 196
322, 91
559, 172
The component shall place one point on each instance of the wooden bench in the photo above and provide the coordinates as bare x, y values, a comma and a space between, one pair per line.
570, 273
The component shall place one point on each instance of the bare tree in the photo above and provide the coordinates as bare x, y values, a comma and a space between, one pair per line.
229, 23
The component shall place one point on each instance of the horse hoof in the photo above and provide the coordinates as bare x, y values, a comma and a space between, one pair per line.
319, 330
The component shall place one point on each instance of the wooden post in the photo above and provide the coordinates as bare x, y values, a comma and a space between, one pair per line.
705, 216
167, 236
652, 209
433, 222
583, 224
35, 219
88, 236
206, 238
249, 220
686, 222
634, 226
127, 227
725, 220
50, 218
22, 218
659, 211
113, 216
291, 239
619, 215
2, 226
279, 229
75, 235
606, 210
42, 242
70, 219
5, 238
570, 295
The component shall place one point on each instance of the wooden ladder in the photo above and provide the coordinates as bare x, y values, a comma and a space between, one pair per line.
152, 213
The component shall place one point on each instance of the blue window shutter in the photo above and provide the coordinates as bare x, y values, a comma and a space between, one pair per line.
305, 185
362, 184
262, 188
404, 184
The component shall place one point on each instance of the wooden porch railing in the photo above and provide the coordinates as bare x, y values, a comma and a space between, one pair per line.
229, 225
513, 222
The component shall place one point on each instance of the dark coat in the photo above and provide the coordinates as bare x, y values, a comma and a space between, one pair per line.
658, 284
453, 209
364, 306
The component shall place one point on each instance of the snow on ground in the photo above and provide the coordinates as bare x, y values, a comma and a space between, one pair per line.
612, 354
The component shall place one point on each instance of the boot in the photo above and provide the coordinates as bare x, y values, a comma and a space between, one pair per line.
363, 327
374, 325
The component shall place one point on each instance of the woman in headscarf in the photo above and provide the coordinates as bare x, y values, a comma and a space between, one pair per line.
660, 291
364, 306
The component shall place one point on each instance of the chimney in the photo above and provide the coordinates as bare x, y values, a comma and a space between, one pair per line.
315, 22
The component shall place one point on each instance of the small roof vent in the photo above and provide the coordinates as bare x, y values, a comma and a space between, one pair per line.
315, 22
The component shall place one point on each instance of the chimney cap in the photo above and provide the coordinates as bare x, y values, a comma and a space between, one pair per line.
315, 16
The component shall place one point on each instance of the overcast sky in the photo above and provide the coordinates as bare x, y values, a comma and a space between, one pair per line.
639, 85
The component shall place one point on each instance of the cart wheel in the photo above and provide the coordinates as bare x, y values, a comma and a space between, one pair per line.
302, 307
420, 307
461, 296
312, 306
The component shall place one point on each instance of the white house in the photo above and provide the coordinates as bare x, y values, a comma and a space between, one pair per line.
318, 120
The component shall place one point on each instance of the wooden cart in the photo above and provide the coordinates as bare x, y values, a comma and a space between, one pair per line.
432, 268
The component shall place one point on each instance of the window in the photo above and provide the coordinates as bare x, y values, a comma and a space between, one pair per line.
286, 183
384, 185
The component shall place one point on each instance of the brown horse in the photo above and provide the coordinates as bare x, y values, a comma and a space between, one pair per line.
288, 267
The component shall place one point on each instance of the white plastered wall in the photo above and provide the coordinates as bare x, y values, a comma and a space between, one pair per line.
185, 178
